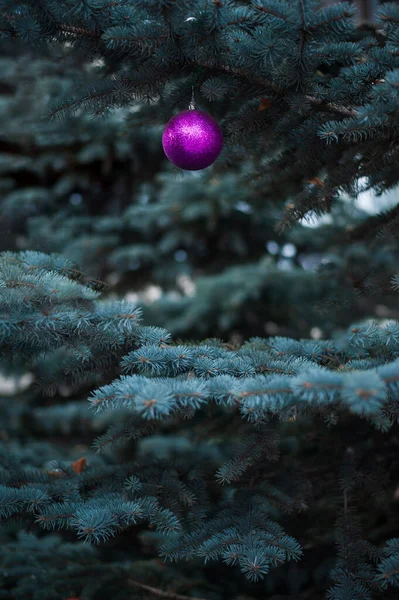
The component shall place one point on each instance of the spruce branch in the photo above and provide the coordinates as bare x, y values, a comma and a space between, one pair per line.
80, 31
345, 111
270, 85
269, 11
332, 19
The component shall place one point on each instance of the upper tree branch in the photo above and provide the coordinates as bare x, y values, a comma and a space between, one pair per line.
328, 106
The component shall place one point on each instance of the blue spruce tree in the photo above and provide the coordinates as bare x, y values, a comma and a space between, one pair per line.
199, 391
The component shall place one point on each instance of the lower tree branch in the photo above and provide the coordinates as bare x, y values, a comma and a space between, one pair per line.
161, 593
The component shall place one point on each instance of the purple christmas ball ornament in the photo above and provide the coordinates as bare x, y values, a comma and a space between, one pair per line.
192, 140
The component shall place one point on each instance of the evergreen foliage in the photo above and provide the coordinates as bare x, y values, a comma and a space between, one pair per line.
204, 445
200, 509
86, 189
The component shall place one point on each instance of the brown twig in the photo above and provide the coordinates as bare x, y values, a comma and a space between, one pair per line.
333, 107
161, 593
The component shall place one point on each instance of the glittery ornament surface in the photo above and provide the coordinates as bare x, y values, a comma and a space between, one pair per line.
192, 140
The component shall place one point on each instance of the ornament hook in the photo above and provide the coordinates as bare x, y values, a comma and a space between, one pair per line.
191, 106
